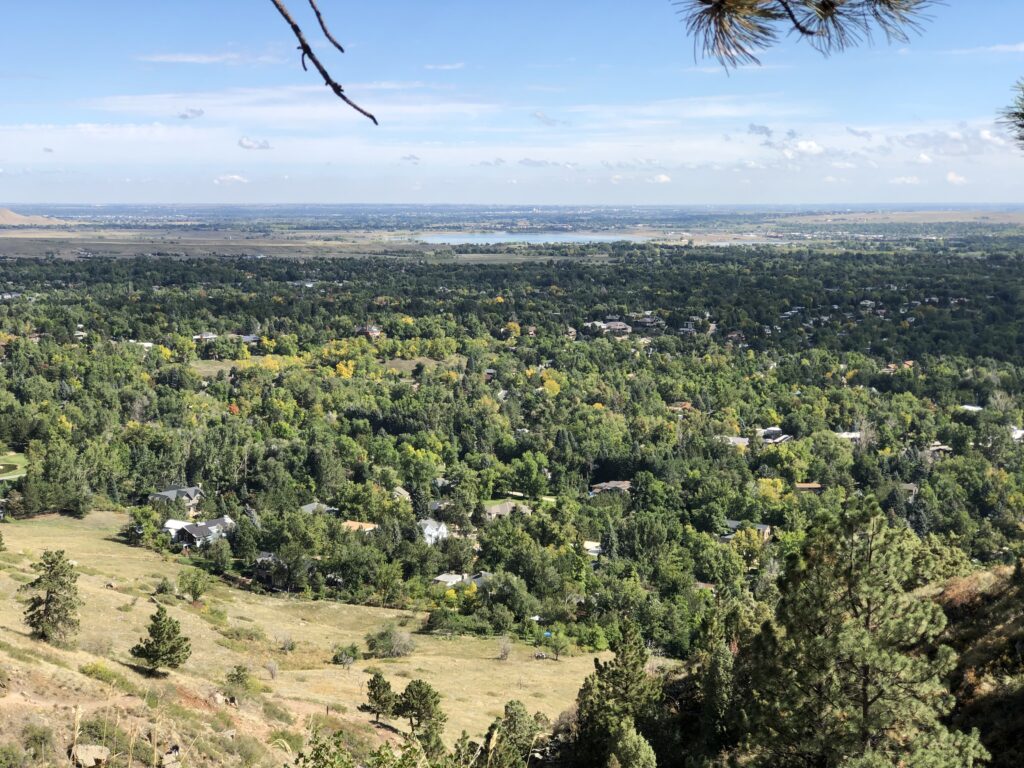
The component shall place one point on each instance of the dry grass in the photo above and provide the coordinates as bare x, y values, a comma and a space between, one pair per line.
474, 684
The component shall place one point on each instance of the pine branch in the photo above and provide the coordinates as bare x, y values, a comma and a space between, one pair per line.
307, 53
1013, 116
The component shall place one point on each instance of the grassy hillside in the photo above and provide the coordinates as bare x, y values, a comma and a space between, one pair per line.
986, 626
228, 628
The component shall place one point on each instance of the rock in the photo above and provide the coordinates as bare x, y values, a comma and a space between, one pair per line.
89, 755
219, 699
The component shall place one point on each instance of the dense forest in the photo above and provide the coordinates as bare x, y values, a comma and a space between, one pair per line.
755, 465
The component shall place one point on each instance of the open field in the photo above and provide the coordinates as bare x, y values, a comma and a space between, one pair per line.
12, 465
116, 584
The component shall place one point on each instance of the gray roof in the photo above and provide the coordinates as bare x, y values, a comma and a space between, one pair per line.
189, 493
316, 506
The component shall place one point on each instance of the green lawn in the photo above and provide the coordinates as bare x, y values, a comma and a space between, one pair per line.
12, 465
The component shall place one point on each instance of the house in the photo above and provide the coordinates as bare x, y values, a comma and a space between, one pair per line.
199, 535
765, 531
371, 332
398, 493
853, 437
205, 336
433, 530
809, 487
505, 508
1017, 434
618, 327
680, 406
315, 507
571, 333
971, 408
737, 442
773, 435
358, 526
450, 579
937, 449
593, 548
190, 495
911, 490
172, 527
612, 486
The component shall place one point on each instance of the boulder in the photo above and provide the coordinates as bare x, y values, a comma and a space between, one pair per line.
89, 755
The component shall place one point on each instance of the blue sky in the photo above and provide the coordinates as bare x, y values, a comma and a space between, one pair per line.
527, 102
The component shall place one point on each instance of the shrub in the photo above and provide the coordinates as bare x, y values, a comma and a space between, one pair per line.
37, 740
11, 756
290, 739
344, 655
164, 587
389, 643
275, 711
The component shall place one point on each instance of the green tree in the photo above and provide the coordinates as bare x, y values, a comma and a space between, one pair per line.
618, 693
381, 699
510, 738
244, 541
52, 612
421, 704
165, 646
557, 643
194, 583
326, 752
219, 556
632, 750
851, 669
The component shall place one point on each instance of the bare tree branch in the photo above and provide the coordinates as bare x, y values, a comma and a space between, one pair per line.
307, 53
323, 25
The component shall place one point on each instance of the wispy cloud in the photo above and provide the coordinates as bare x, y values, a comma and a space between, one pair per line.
955, 179
661, 178
191, 113
545, 119
412, 159
905, 181
445, 67
230, 179
224, 57
1002, 48
246, 143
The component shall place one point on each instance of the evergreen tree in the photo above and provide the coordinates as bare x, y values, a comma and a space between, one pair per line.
381, 698
510, 738
619, 693
165, 646
631, 750
850, 673
421, 704
52, 613
244, 541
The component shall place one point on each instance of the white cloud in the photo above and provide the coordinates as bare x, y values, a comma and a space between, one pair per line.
445, 67
924, 159
810, 147
193, 58
246, 143
955, 178
413, 159
230, 179
905, 181
661, 178
1002, 48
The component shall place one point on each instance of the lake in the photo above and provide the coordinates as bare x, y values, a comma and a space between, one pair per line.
495, 238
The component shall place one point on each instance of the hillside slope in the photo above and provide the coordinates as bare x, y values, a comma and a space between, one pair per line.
9, 218
986, 626
297, 688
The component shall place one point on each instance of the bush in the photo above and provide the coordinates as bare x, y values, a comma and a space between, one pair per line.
344, 655
389, 643
99, 671
37, 740
11, 756
274, 711
164, 587
292, 740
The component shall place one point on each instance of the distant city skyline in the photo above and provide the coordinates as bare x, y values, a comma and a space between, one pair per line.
532, 102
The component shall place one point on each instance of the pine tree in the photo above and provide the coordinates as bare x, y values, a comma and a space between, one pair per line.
850, 674
421, 704
618, 694
510, 738
381, 698
631, 750
165, 646
52, 612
